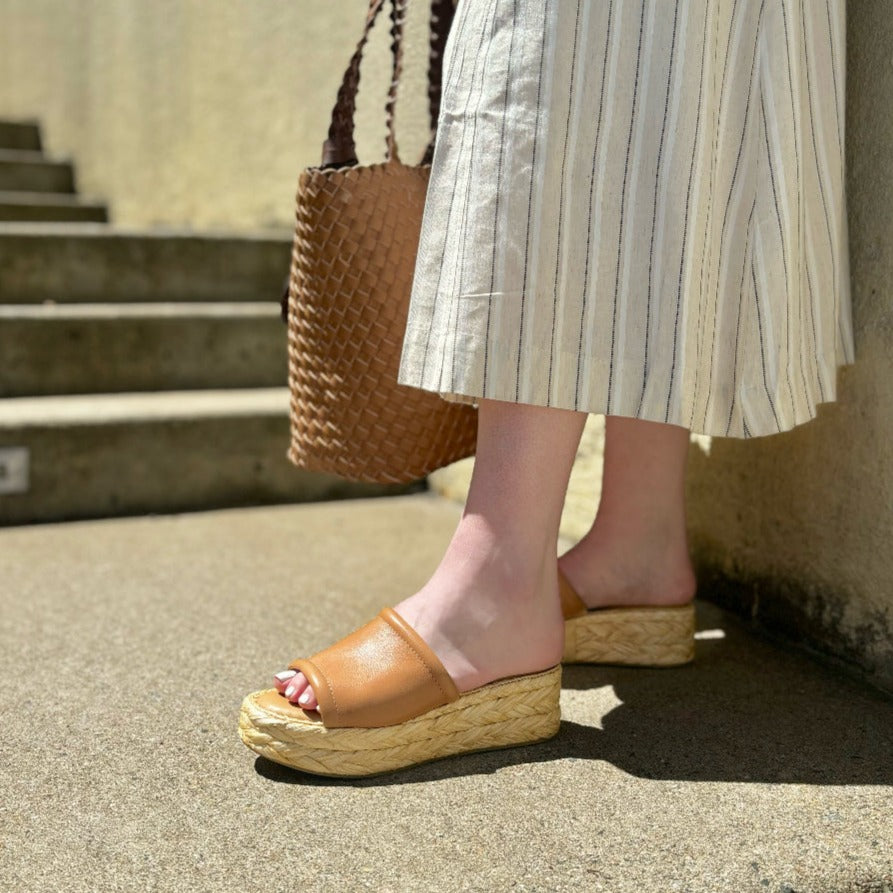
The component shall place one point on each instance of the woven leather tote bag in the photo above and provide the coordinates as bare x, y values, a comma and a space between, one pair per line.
353, 258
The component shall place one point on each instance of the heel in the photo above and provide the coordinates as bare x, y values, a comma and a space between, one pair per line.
641, 636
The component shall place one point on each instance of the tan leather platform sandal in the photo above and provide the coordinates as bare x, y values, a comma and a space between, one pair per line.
638, 636
386, 702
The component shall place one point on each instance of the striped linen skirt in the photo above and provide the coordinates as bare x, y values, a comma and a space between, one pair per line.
638, 208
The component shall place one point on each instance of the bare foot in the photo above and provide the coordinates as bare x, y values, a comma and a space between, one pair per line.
615, 571
486, 613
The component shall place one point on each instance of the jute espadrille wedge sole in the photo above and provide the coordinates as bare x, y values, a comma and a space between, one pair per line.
643, 637
507, 713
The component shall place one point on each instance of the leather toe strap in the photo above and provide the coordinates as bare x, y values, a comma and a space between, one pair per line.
380, 675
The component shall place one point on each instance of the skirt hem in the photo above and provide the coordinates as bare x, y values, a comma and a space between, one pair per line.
473, 400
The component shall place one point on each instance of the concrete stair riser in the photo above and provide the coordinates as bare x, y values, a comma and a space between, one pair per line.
143, 370
32, 172
91, 263
82, 468
20, 135
81, 349
51, 207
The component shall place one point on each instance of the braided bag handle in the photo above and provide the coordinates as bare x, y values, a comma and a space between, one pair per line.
339, 148
442, 12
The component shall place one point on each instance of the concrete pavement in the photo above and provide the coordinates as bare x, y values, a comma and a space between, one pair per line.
126, 647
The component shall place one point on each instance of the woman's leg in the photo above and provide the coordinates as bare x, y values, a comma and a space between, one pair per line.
491, 608
636, 552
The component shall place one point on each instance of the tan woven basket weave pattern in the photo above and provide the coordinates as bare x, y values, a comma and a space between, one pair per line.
351, 274
353, 258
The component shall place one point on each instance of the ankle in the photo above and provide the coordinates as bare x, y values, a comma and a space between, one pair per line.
490, 624
611, 567
523, 565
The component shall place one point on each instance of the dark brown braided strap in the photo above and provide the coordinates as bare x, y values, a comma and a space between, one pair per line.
339, 148
442, 12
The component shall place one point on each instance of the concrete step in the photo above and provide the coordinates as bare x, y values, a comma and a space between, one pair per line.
89, 262
113, 348
22, 135
26, 171
50, 206
64, 458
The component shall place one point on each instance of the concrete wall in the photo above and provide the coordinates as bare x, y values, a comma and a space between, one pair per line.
185, 112
797, 529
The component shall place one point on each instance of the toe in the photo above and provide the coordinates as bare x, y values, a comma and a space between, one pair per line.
299, 692
281, 680
295, 686
307, 700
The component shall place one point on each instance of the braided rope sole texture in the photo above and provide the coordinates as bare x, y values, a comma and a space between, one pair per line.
642, 637
507, 713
